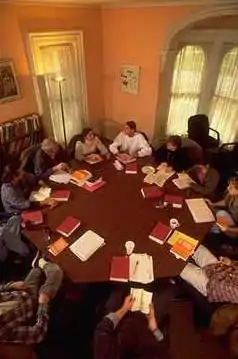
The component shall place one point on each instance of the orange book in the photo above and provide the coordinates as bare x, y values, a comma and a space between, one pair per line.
183, 249
58, 246
80, 175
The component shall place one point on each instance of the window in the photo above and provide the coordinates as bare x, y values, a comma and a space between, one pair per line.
224, 108
186, 88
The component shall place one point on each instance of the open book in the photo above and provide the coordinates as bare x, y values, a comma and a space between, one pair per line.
141, 268
142, 301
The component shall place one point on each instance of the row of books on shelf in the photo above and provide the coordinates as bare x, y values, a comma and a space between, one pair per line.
20, 144
19, 128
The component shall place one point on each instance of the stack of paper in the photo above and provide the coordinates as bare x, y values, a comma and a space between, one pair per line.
41, 195
199, 210
160, 177
141, 268
86, 245
142, 300
183, 181
60, 177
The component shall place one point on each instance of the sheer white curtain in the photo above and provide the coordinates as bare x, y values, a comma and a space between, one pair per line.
186, 88
60, 60
224, 108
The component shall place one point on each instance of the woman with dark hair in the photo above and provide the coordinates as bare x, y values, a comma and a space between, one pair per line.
173, 154
90, 144
12, 190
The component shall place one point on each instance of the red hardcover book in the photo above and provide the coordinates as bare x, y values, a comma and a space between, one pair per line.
96, 186
151, 192
175, 201
131, 168
160, 233
69, 225
34, 217
120, 269
60, 195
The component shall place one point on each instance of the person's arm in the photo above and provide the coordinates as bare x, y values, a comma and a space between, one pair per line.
40, 170
101, 147
17, 202
152, 324
144, 147
105, 341
36, 333
79, 151
116, 144
209, 187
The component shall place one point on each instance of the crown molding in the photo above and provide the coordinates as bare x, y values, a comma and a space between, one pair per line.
107, 4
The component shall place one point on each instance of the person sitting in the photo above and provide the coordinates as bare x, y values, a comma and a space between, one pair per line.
125, 334
19, 300
49, 158
206, 179
214, 279
90, 144
131, 142
173, 154
13, 198
225, 232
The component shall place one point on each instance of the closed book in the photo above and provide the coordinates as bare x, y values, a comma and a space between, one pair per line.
182, 249
120, 269
58, 246
69, 225
94, 187
160, 233
87, 245
151, 192
175, 201
34, 217
60, 195
131, 168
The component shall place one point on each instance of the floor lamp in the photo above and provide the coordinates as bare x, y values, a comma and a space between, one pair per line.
60, 80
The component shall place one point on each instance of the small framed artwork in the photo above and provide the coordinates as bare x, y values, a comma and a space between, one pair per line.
129, 79
9, 89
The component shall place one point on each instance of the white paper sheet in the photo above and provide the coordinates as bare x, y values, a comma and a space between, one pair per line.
41, 195
199, 210
86, 245
141, 268
60, 177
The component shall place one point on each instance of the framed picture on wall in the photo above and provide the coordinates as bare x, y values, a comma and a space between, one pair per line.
129, 79
9, 89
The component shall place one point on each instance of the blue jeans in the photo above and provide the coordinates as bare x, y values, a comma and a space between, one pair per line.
227, 216
10, 238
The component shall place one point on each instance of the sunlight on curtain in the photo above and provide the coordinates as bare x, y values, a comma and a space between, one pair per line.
61, 60
186, 88
224, 109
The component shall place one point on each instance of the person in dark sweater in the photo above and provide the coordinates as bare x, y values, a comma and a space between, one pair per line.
49, 158
174, 154
206, 179
123, 334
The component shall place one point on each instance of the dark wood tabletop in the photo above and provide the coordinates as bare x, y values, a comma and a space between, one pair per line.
117, 212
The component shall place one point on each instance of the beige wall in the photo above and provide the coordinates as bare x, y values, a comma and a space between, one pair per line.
17, 21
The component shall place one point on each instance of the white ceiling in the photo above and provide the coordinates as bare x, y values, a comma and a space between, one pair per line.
126, 2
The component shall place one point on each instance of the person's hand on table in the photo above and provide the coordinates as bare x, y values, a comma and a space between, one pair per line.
18, 285
152, 323
60, 167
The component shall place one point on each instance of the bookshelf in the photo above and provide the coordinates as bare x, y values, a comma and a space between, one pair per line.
20, 133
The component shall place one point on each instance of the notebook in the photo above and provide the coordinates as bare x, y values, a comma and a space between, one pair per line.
120, 269
94, 187
69, 225
160, 233
131, 168
142, 300
174, 201
183, 249
141, 268
151, 192
58, 246
199, 210
60, 177
87, 245
60, 195
34, 217
177, 235
41, 195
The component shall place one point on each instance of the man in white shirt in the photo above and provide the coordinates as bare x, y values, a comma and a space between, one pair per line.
131, 142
